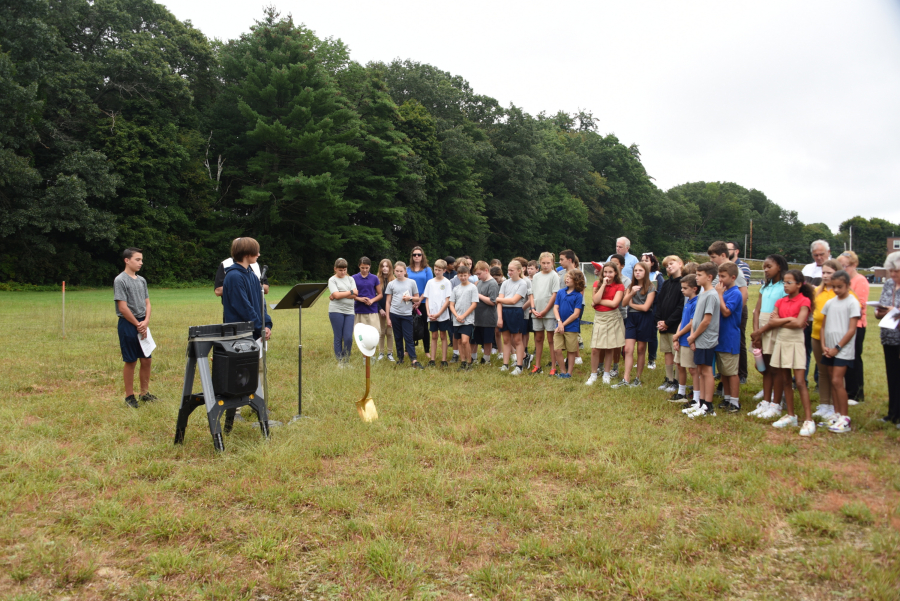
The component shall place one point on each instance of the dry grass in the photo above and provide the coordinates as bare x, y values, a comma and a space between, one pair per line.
475, 485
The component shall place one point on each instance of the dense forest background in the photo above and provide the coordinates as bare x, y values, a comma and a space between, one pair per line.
123, 126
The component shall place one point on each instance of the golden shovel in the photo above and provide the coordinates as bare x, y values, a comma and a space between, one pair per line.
366, 406
367, 340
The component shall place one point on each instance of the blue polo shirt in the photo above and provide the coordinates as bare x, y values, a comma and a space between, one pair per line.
730, 327
687, 314
567, 303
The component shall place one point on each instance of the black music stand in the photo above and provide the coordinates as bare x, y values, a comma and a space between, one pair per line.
301, 296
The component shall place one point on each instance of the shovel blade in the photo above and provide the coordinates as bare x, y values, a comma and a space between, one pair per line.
366, 409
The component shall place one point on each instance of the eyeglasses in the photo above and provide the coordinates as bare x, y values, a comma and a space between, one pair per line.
417, 254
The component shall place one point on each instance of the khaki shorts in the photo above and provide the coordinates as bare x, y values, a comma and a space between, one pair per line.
543, 324
727, 364
665, 343
686, 357
370, 319
567, 341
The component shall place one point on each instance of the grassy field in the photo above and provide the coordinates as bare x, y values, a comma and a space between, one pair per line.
474, 485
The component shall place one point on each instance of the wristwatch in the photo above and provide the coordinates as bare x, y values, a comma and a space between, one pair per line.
837, 347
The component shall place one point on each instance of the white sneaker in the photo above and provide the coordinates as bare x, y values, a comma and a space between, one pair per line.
828, 414
664, 385
832, 419
785, 421
693, 407
851, 402
614, 373
380, 356
391, 357
820, 410
516, 372
698, 412
607, 378
808, 429
651, 365
512, 358
578, 361
774, 410
760, 407
591, 380
493, 351
672, 387
759, 395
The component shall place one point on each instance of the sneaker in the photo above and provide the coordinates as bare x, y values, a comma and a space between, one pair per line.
828, 415
416, 365
832, 419
483, 361
651, 365
672, 387
493, 352
564, 376
516, 372
444, 364
504, 367
676, 398
808, 429
580, 345
664, 385
820, 410
732, 408
463, 366
391, 357
536, 370
552, 372
340, 365
636, 383
697, 411
692, 407
527, 363
380, 357
512, 358
454, 358
607, 379
759, 395
760, 407
723, 405
578, 361
841, 426
623, 384
148, 398
614, 373
850, 402
774, 410
131, 401
591, 380
786, 421
743, 381
431, 364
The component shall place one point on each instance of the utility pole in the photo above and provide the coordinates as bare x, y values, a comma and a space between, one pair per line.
750, 248
745, 246
851, 237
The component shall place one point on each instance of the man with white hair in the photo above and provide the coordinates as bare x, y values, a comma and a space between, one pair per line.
812, 273
821, 252
623, 244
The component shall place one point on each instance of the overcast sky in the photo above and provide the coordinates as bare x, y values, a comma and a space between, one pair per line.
799, 99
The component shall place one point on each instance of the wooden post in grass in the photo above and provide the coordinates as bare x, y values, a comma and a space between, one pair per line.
64, 309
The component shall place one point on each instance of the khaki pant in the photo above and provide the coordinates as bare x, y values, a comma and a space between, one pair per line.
824, 378
385, 334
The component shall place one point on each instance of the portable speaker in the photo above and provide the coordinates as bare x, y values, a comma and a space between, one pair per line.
235, 369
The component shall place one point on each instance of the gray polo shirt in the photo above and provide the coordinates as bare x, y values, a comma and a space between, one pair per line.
708, 303
134, 292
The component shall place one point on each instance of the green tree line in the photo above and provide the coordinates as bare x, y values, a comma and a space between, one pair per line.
122, 126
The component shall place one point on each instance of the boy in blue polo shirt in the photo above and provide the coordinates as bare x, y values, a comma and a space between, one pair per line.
684, 356
704, 337
728, 350
567, 308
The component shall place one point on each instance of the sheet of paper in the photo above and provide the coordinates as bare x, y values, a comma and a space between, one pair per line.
874, 303
147, 344
891, 319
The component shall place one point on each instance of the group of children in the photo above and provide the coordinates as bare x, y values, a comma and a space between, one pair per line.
695, 315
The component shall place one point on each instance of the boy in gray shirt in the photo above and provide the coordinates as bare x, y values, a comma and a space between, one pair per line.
704, 336
133, 309
463, 300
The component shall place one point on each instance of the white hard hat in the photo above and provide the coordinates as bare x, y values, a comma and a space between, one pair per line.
366, 338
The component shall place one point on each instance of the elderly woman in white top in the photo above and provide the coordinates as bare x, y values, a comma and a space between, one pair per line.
890, 337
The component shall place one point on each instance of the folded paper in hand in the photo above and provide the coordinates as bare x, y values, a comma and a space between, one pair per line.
147, 344
891, 319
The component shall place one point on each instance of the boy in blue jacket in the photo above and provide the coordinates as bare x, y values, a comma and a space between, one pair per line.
241, 296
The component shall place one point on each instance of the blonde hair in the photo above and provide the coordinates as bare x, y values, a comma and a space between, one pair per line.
669, 259
851, 257
547, 255
440, 264
515, 264
482, 266
834, 265
390, 275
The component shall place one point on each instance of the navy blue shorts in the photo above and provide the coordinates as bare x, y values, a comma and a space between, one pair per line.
835, 362
703, 356
440, 326
129, 341
464, 330
640, 326
513, 320
484, 335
